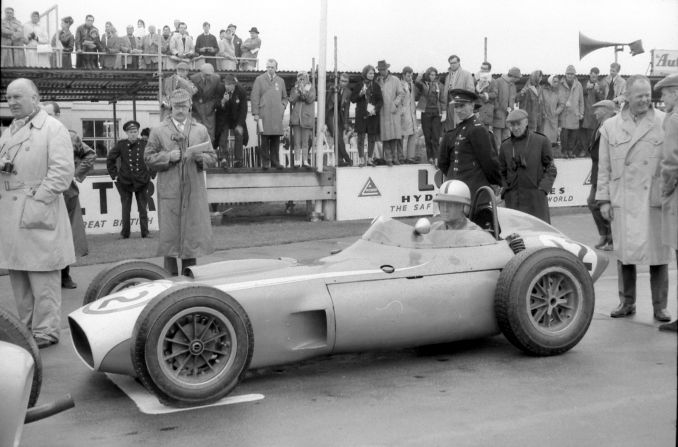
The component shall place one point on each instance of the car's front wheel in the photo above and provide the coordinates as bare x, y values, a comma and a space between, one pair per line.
544, 301
191, 345
122, 275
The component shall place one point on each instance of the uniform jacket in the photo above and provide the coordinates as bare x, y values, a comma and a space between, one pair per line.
467, 154
180, 48
35, 233
528, 171
303, 106
393, 95
628, 180
364, 122
458, 79
506, 97
183, 212
131, 173
269, 101
427, 92
669, 178
408, 117
570, 104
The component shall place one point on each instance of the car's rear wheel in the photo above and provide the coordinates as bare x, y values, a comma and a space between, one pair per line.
13, 331
122, 275
191, 345
544, 301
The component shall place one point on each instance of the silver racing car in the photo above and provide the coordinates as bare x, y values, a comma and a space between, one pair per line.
189, 339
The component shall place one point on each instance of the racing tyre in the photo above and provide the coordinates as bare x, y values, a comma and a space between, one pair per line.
544, 301
191, 345
122, 275
13, 331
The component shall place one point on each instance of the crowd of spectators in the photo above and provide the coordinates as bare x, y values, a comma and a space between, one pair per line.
137, 48
403, 118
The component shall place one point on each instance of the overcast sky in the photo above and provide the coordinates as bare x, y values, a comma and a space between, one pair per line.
528, 34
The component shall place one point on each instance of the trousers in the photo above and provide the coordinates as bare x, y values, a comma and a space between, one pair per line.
142, 206
659, 284
38, 300
603, 226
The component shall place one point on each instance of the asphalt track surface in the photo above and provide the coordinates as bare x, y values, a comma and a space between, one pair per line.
617, 387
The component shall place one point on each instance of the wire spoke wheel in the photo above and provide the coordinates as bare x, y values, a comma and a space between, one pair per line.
191, 345
196, 346
554, 299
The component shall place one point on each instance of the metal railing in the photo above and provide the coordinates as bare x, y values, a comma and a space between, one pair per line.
39, 57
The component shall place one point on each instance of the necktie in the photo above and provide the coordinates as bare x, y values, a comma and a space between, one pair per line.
180, 126
610, 92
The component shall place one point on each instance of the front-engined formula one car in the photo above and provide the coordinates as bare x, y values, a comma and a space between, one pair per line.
189, 339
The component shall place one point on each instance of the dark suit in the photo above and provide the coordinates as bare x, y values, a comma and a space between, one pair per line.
210, 91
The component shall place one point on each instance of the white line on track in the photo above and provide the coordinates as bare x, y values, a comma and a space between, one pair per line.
149, 404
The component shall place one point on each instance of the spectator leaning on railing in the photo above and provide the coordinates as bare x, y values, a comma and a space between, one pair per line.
64, 41
12, 35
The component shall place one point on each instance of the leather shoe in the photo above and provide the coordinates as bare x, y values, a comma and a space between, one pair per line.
601, 243
662, 315
624, 310
669, 327
68, 283
44, 342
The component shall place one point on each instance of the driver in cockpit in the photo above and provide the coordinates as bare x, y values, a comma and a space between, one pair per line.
454, 202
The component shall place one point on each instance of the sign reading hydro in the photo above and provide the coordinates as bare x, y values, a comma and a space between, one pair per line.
101, 208
401, 191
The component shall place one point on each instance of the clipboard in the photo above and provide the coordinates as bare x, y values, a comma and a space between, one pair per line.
193, 152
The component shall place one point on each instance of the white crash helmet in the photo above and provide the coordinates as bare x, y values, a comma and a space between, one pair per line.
455, 191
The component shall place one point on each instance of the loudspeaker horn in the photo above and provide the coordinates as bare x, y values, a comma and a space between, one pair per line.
586, 45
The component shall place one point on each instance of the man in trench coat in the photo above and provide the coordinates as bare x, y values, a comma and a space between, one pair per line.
526, 164
629, 194
269, 101
36, 167
669, 169
183, 212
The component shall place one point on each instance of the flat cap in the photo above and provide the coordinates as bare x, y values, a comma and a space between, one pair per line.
514, 71
570, 69
129, 125
516, 115
606, 103
460, 95
669, 81
180, 96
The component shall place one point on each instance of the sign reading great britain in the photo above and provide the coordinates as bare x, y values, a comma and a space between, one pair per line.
101, 208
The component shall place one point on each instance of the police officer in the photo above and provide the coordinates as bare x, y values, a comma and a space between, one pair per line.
131, 177
466, 152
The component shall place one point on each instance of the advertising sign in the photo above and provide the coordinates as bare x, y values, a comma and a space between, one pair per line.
101, 208
664, 62
400, 191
